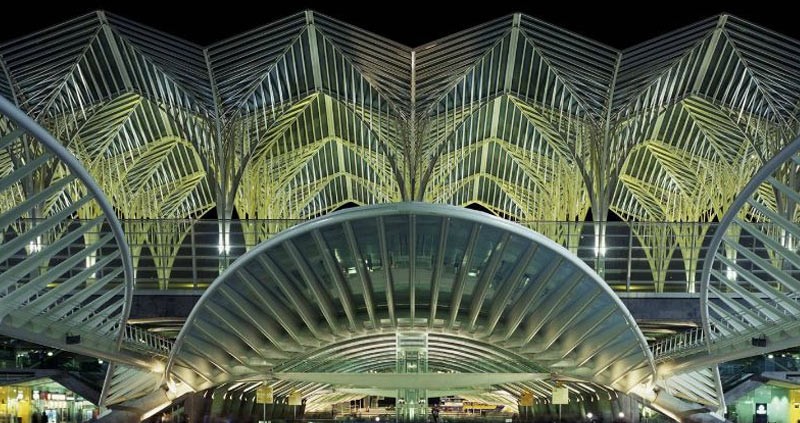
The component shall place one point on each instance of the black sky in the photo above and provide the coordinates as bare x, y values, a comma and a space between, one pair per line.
410, 22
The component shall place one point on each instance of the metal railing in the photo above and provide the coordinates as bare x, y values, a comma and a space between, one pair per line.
139, 339
684, 343
693, 341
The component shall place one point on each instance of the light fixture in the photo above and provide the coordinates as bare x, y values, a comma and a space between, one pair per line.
49, 353
621, 415
99, 361
90, 261
770, 356
35, 246
224, 243
599, 245
589, 415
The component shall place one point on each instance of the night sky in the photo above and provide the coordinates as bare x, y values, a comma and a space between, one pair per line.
410, 22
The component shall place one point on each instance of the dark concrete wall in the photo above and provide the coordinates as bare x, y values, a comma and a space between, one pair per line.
649, 307
163, 304
673, 307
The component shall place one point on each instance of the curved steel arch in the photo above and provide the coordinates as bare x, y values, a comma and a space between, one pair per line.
53, 286
748, 282
325, 289
738, 302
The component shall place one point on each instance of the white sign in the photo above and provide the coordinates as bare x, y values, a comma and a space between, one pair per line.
560, 395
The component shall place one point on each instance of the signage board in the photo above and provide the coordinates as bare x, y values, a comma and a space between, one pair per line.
560, 395
264, 394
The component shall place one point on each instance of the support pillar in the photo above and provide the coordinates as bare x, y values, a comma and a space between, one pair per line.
412, 357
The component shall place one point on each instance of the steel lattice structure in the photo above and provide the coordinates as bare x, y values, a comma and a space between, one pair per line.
306, 114
529, 120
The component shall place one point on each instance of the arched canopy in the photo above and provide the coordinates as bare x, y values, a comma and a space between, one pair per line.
332, 295
65, 282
